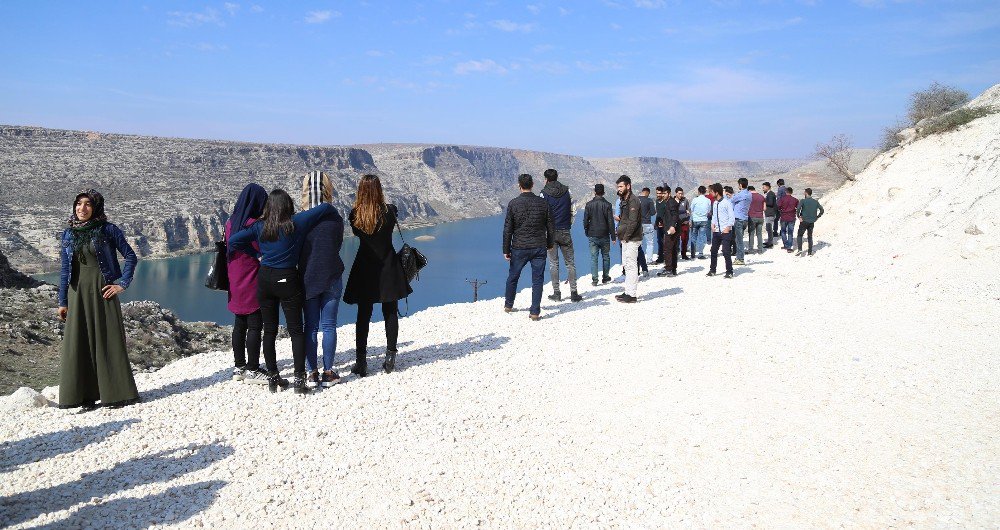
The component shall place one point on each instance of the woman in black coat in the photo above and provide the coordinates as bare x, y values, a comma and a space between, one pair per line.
377, 275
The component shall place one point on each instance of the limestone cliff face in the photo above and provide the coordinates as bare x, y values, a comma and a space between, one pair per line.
172, 195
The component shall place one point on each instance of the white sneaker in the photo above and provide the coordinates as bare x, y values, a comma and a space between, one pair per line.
239, 373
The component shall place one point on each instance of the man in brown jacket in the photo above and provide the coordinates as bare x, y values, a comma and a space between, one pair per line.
630, 235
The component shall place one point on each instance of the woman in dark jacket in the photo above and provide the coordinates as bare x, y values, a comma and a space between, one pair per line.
94, 362
321, 269
377, 275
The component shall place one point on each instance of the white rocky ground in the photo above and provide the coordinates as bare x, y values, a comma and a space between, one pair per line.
857, 387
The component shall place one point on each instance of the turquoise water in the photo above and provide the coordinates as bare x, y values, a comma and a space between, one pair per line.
468, 249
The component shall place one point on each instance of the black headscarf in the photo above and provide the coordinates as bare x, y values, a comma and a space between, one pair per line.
250, 205
84, 232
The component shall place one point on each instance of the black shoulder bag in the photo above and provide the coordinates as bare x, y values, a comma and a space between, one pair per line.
410, 258
218, 275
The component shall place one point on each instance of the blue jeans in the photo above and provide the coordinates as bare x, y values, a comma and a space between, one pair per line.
321, 314
600, 245
699, 236
787, 236
519, 257
739, 231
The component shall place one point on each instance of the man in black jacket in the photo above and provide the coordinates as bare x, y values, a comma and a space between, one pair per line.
556, 194
671, 227
527, 234
599, 226
770, 213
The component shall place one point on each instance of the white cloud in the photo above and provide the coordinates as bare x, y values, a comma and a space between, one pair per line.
485, 66
375, 53
187, 19
649, 4
256, 8
509, 26
563, 11
319, 17
231, 8
616, 27
535, 9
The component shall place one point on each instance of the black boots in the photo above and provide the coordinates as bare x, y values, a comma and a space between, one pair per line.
299, 384
360, 367
390, 361
275, 381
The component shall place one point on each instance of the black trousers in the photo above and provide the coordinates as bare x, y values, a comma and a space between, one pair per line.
670, 252
723, 241
390, 312
803, 228
246, 340
281, 287
660, 232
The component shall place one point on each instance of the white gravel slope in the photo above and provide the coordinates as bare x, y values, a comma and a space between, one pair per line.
820, 391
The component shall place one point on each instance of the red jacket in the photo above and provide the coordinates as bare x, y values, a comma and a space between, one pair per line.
756, 206
786, 207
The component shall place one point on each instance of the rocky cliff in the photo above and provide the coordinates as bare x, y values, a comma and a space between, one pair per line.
172, 195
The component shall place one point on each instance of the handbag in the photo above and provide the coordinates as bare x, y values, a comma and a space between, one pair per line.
218, 275
410, 258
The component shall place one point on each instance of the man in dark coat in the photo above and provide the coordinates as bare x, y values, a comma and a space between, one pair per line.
671, 227
599, 226
527, 233
556, 194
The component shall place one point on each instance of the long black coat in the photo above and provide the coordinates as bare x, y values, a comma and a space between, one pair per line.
377, 275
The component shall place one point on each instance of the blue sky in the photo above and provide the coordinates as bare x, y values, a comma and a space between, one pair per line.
707, 79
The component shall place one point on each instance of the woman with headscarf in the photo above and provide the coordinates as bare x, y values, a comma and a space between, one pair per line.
94, 364
243, 267
377, 275
280, 233
321, 269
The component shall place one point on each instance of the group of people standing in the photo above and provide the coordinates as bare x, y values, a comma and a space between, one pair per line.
727, 220
275, 258
279, 258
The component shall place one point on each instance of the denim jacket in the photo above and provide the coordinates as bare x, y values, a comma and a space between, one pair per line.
108, 240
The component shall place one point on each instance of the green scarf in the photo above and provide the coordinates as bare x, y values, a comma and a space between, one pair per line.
86, 233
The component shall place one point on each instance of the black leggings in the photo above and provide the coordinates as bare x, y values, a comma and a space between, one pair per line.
390, 312
284, 287
246, 340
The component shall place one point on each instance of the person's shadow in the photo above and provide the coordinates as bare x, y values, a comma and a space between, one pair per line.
187, 385
160, 467
43, 446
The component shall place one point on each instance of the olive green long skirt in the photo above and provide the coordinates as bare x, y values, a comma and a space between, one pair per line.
94, 363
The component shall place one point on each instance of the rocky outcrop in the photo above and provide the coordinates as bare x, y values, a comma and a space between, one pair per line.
13, 279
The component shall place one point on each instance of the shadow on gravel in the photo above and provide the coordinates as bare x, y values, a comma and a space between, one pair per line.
449, 350
187, 385
44, 446
189, 500
569, 307
160, 467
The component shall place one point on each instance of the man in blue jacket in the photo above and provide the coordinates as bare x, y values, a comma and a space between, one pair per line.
561, 208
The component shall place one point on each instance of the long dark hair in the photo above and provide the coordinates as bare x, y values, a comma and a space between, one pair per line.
277, 216
369, 205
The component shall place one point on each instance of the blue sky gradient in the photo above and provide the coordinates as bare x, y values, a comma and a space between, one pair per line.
690, 80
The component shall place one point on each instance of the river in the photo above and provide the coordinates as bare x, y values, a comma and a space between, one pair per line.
460, 251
